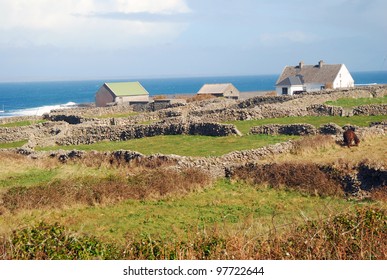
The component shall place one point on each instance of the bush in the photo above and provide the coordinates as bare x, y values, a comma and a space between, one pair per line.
305, 177
52, 242
90, 190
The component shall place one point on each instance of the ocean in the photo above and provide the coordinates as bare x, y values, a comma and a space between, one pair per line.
37, 98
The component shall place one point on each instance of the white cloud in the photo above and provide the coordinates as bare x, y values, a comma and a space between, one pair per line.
72, 23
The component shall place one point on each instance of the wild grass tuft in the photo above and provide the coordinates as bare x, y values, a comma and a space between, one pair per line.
89, 190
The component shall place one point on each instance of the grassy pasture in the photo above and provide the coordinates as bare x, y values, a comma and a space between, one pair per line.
353, 102
184, 145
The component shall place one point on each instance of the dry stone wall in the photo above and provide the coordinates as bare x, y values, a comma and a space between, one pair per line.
308, 129
370, 110
87, 134
287, 129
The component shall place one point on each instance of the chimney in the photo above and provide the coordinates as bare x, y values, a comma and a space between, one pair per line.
320, 63
301, 64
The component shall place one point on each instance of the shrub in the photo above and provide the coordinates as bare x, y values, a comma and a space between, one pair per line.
90, 190
360, 235
305, 177
52, 242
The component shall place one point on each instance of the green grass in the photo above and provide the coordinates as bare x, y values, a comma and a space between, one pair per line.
12, 145
185, 145
353, 102
21, 123
244, 126
28, 178
233, 207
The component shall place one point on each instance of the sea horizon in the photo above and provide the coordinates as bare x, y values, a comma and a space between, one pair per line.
28, 98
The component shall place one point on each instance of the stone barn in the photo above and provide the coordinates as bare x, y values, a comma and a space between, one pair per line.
220, 90
121, 93
307, 78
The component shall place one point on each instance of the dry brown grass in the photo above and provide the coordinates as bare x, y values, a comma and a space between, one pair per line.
379, 194
200, 97
307, 178
154, 183
271, 93
159, 97
324, 150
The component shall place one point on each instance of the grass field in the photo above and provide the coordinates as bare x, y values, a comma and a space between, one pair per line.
232, 207
353, 102
98, 200
194, 145
185, 145
11, 145
163, 213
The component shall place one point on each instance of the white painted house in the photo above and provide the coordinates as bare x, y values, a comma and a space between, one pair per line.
307, 78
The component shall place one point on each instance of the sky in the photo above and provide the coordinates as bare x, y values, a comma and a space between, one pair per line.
104, 39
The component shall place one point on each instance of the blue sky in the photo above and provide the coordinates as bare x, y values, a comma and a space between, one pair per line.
102, 39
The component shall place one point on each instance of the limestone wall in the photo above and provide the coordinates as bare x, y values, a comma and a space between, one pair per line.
87, 134
308, 129
287, 129
371, 110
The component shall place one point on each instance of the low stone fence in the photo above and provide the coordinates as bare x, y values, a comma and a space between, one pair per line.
287, 129
71, 119
308, 129
83, 134
324, 110
262, 100
92, 111
47, 129
370, 110
20, 119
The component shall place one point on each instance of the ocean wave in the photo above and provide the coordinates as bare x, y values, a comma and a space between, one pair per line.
37, 111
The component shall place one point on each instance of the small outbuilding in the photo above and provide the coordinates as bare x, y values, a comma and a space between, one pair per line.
121, 93
307, 78
220, 90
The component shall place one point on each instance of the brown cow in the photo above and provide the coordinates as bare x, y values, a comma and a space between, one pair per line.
349, 137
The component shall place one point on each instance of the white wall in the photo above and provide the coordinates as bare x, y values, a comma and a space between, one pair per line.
291, 89
314, 87
343, 79
127, 99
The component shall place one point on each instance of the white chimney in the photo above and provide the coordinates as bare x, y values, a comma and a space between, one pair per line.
320, 63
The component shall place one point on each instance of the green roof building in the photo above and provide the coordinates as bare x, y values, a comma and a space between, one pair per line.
121, 93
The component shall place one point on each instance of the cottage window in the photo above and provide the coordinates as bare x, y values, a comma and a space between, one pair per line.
284, 90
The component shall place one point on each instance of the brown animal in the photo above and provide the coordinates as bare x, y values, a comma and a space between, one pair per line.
350, 137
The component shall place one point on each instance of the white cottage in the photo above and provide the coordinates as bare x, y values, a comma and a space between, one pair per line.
301, 78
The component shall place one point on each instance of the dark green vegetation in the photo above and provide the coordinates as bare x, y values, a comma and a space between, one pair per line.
353, 102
